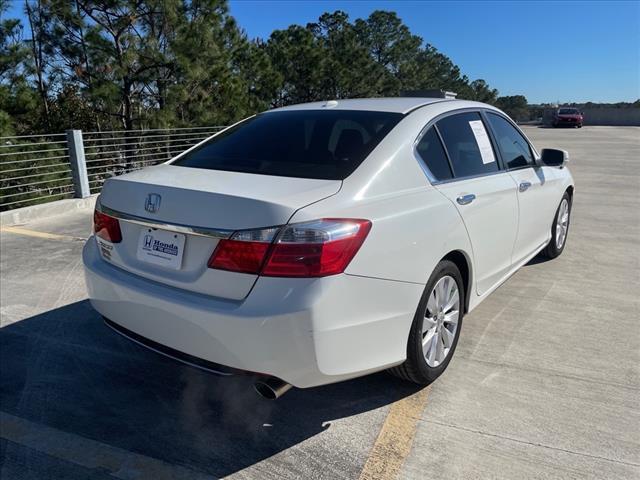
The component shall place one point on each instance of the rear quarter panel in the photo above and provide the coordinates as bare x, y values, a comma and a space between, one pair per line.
409, 235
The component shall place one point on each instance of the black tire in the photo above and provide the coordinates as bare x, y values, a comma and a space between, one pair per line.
415, 368
551, 250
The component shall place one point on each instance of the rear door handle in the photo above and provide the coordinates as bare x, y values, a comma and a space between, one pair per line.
466, 199
524, 186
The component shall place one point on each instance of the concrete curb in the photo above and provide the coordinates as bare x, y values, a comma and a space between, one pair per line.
24, 215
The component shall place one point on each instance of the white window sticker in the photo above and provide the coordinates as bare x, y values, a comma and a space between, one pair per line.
484, 144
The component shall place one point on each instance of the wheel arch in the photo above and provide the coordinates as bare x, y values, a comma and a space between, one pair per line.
569, 190
463, 262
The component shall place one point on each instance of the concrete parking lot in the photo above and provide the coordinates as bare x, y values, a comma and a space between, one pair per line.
545, 382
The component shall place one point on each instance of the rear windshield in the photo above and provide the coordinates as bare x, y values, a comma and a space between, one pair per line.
323, 144
568, 111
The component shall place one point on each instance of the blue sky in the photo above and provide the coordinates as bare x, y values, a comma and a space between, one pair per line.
548, 51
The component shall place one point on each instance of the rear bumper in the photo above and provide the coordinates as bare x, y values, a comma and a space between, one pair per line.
306, 332
563, 122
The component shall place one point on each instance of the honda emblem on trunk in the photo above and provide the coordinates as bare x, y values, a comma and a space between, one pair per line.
152, 203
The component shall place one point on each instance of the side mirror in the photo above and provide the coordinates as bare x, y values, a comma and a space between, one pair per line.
552, 157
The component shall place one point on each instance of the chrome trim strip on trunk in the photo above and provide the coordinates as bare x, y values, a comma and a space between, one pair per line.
172, 227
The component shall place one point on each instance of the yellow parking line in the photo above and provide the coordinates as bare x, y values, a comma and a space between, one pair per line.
34, 233
394, 441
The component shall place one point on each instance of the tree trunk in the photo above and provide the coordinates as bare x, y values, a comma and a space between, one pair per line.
127, 106
36, 49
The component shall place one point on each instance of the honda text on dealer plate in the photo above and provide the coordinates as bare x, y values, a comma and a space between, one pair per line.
320, 242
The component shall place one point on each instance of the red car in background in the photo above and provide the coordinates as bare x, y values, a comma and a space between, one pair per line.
570, 117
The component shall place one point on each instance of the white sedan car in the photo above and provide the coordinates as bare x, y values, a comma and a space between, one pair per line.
320, 242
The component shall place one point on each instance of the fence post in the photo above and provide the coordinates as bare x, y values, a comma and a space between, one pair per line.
78, 164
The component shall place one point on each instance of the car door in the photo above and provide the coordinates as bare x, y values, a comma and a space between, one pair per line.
536, 187
483, 193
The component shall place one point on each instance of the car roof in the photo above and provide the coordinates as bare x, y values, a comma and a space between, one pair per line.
383, 104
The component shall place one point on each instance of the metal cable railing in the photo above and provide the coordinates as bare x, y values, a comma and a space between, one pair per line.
113, 153
33, 169
42, 168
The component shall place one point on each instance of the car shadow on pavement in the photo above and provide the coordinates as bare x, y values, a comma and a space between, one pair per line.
538, 259
65, 369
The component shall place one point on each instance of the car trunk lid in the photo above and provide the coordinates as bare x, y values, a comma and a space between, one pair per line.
186, 211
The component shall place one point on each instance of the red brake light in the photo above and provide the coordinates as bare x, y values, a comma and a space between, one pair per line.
239, 256
316, 249
311, 249
106, 227
244, 252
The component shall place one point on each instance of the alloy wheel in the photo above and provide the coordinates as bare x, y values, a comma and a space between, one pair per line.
562, 223
440, 322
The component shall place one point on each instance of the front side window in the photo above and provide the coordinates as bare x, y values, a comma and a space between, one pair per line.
433, 155
468, 144
513, 147
321, 144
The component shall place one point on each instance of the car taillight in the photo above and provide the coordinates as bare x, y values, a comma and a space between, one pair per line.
316, 249
244, 252
310, 249
106, 227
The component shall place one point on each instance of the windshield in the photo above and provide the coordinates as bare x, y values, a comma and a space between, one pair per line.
321, 144
568, 111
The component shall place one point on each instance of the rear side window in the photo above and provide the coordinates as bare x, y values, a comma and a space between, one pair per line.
513, 147
468, 144
322, 144
433, 155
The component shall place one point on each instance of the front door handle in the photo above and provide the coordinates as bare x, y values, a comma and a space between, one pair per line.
524, 186
466, 199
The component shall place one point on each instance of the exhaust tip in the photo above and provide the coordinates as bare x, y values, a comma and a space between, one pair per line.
271, 388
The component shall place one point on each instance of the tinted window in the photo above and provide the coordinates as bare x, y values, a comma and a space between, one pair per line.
325, 144
464, 135
513, 146
433, 155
